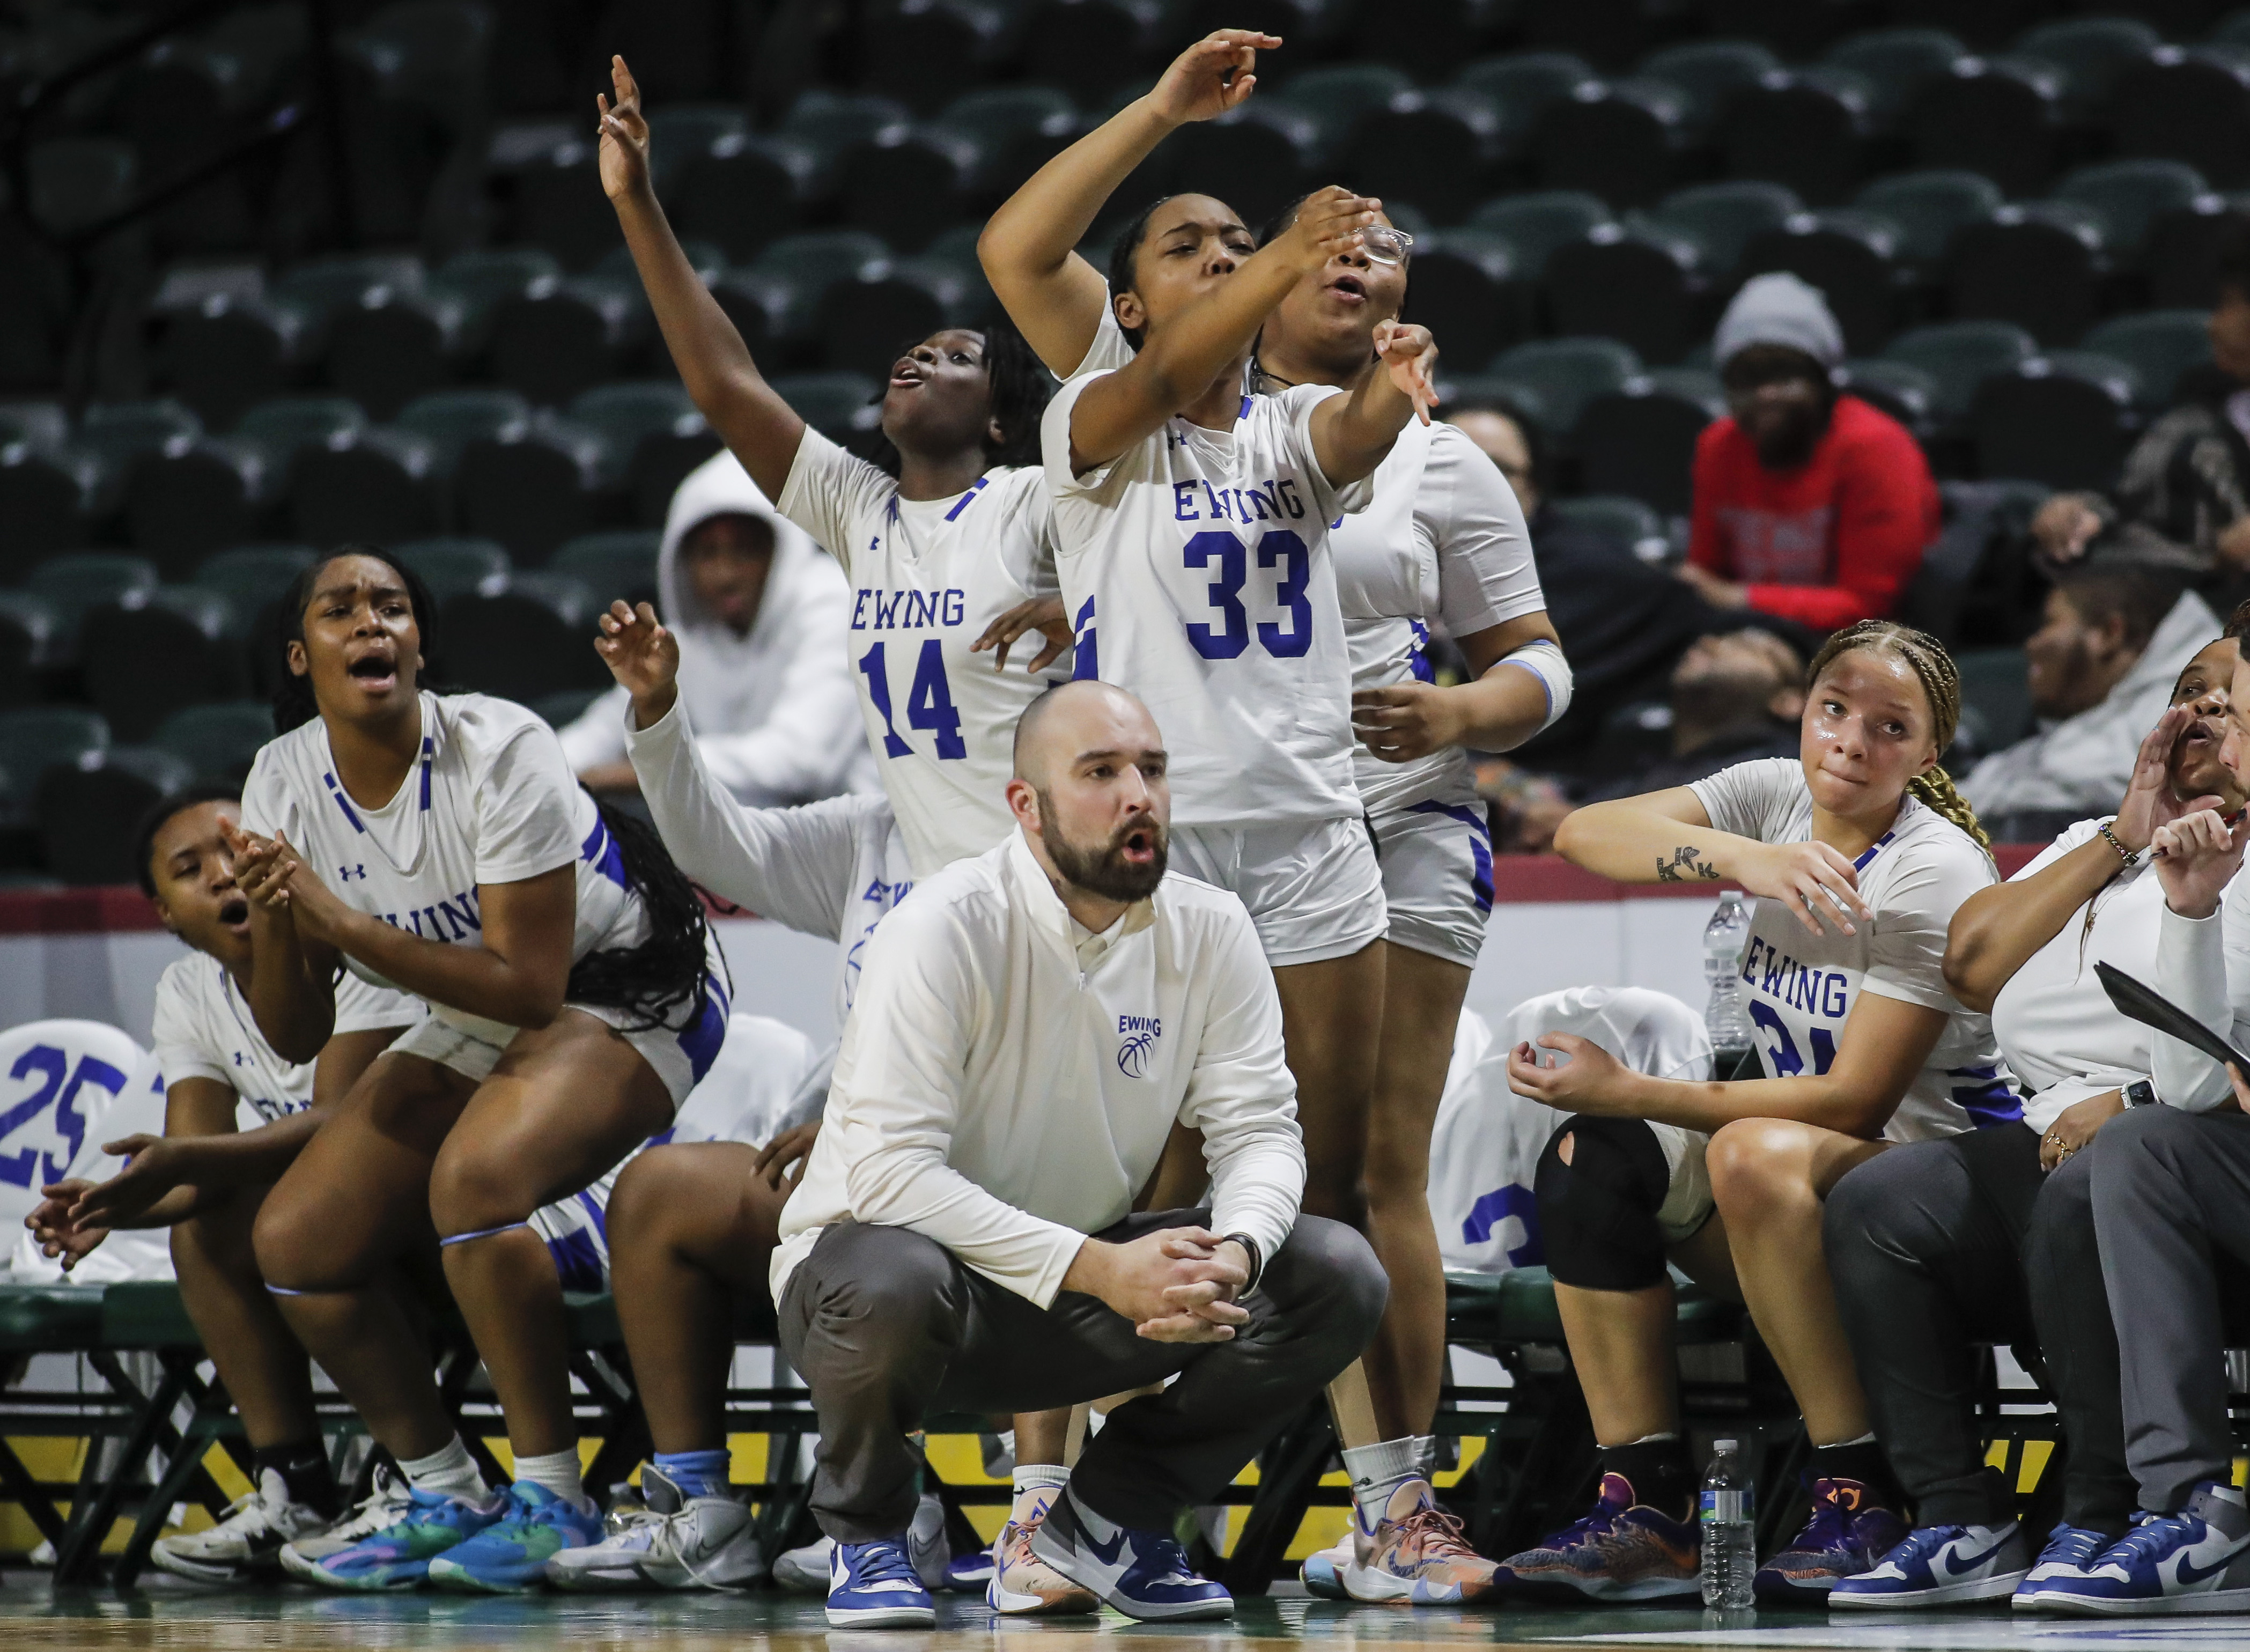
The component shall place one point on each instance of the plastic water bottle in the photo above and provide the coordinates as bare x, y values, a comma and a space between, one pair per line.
1723, 939
1729, 1534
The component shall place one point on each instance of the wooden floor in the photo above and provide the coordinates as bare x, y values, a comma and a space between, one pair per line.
35, 1618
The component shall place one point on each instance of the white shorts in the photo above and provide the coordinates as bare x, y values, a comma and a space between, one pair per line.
1688, 1203
679, 1054
1436, 875
576, 1231
1313, 889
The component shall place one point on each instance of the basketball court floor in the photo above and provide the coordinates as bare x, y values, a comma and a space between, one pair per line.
164, 1615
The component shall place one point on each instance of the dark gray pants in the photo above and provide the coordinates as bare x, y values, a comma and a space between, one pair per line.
885, 1325
2171, 1200
1935, 1247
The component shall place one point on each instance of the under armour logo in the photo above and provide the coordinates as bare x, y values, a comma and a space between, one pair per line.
345, 873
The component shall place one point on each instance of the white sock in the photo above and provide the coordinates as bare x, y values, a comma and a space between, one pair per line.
1379, 1470
558, 1472
1426, 1454
1038, 1484
449, 1471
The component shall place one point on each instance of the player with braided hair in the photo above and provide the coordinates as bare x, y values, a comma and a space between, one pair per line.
1861, 851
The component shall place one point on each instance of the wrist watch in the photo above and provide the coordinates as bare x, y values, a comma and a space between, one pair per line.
1257, 1262
2140, 1093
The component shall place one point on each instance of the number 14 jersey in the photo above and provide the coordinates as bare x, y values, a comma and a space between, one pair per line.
1195, 568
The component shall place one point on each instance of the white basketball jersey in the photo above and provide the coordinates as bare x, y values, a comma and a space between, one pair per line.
1196, 571
1798, 988
490, 800
204, 1029
928, 576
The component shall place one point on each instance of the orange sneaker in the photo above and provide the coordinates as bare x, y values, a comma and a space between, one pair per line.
1022, 1585
1418, 1556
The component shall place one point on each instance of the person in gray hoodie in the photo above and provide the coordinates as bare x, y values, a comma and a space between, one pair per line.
760, 611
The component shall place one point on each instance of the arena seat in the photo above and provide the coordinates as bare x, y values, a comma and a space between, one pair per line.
559, 205
920, 52
2041, 264
51, 496
2065, 419
36, 738
1851, 255
1996, 692
1930, 208
1642, 283
174, 646
1391, 148
1811, 129
2092, 52
288, 423
656, 430
532, 488
379, 484
1905, 392
1898, 63
86, 814
1639, 440
1567, 373
254, 578
2160, 346
2130, 195
450, 420
30, 633
384, 355
2184, 243
2191, 104
841, 406
214, 491
231, 353
1723, 217
532, 636
866, 322
679, 133
1466, 288
1090, 47
1960, 355
620, 564
745, 188
1535, 224
564, 707
218, 742
454, 566
2000, 116
1628, 523
1257, 157
1710, 72
558, 339
122, 432
908, 184
1022, 128
1522, 85
1625, 141
79, 580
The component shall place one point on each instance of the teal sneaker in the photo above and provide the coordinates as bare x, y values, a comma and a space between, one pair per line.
398, 1555
510, 1555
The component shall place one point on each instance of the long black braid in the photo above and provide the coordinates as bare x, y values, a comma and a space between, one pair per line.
670, 973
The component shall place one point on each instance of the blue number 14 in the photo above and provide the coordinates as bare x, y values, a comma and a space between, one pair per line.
930, 702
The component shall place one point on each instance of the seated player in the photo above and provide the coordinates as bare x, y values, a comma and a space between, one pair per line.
1988, 1236
1029, 1027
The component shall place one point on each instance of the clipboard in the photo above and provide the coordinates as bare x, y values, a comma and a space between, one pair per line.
2144, 1004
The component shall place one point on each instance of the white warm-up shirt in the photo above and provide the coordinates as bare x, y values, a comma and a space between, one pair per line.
1008, 1081
2203, 965
491, 800
1442, 543
1196, 571
204, 1029
928, 576
1798, 988
836, 867
2057, 1027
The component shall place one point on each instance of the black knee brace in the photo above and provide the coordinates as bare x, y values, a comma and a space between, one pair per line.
1597, 1213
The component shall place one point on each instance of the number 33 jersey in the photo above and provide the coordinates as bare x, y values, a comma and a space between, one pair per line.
1195, 568
1798, 988
928, 576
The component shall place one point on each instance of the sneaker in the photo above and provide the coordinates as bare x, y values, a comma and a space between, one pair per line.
1322, 1572
1844, 1536
2193, 1561
805, 1571
1021, 1583
1623, 1550
248, 1539
1416, 1556
2070, 1552
510, 1555
667, 1542
398, 1555
874, 1586
928, 1546
969, 1573
384, 1506
1940, 1565
1143, 1574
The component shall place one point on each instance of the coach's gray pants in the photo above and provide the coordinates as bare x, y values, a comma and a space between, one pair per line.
886, 1326
1935, 1247
2171, 1203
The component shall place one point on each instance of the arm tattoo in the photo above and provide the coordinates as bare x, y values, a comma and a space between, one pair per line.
1684, 856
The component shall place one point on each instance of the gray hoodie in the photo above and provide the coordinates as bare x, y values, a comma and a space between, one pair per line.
775, 713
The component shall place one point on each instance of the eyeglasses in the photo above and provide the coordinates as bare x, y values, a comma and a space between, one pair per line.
1384, 244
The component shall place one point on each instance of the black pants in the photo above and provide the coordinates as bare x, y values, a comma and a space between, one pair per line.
885, 1325
1935, 1246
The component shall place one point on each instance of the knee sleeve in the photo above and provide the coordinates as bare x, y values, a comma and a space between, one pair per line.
1597, 1213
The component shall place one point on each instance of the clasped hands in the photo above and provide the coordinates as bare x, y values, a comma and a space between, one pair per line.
1178, 1284
273, 877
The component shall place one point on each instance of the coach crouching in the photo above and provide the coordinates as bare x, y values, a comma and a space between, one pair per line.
1028, 1028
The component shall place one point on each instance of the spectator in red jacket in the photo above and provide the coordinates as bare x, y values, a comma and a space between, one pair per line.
1809, 506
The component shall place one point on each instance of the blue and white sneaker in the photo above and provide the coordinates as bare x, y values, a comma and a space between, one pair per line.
1939, 1565
969, 1573
431, 1524
510, 1555
1143, 1574
2197, 1561
2070, 1552
873, 1586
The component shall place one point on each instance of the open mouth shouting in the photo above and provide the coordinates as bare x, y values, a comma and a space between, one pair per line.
377, 670
1138, 846
234, 914
1348, 288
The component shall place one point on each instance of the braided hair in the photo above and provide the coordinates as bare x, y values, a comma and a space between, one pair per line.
293, 704
1941, 686
1020, 386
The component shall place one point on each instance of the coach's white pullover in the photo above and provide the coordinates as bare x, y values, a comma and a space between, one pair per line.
2203, 965
1008, 1080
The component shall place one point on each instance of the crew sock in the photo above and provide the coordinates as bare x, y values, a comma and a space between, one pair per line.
1861, 1459
303, 1466
449, 1471
698, 1473
1038, 1484
1379, 1470
1657, 1468
558, 1472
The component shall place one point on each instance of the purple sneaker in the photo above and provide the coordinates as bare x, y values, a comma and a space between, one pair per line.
1845, 1536
1623, 1550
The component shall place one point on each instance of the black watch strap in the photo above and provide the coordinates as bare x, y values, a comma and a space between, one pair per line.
1256, 1260
2140, 1093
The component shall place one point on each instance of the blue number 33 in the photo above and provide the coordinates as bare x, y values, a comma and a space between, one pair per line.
1228, 640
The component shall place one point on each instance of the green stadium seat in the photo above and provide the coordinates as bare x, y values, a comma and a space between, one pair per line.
533, 638
81, 580
2129, 196
1710, 72
1468, 289
839, 405
380, 484
1257, 157
1644, 284
1522, 85
1090, 47
254, 578
1724, 217
189, 500
1567, 373
2092, 52
288, 423
1931, 207
743, 189
2001, 116
1391, 151
1626, 523
454, 567
86, 815
1907, 392
1960, 355
177, 645
36, 738
1852, 255
532, 489
2191, 104
555, 341
1814, 129
1535, 224
231, 352
450, 420
2161, 346
921, 51
564, 707
218, 742
1898, 64
620, 564
656, 428
1639, 440
1625, 141
1996, 692
51, 497
2065, 419
867, 322
29, 634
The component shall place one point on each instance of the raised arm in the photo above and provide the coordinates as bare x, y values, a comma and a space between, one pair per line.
714, 363
1666, 836
1178, 363
1028, 248
1353, 433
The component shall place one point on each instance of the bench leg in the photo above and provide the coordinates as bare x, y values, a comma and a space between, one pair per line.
1288, 1471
